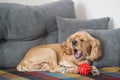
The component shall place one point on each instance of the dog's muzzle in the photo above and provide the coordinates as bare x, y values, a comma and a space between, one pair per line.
77, 53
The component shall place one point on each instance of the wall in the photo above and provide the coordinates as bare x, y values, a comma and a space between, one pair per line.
87, 9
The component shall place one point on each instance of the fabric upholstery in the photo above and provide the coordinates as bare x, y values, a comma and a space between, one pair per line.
22, 27
67, 26
110, 45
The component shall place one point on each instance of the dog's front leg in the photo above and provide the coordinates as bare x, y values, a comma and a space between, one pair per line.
95, 71
68, 67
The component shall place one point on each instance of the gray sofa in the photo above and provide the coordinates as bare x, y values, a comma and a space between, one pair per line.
23, 27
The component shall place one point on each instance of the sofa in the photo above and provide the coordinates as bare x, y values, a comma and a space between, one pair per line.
23, 27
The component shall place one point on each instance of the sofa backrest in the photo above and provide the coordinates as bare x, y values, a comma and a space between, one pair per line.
22, 27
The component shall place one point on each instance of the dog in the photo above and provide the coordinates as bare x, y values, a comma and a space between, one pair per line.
80, 47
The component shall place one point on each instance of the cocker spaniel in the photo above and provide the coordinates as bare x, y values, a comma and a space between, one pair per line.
65, 57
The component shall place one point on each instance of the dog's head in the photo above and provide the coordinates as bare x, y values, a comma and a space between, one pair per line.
82, 45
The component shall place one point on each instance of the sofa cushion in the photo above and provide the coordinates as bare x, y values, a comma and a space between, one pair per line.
110, 46
26, 26
67, 26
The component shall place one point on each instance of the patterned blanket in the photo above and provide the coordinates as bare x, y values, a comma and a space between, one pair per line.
13, 74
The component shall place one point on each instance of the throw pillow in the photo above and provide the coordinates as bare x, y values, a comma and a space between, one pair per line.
67, 26
110, 46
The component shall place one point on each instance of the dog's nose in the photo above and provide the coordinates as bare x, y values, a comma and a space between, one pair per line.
74, 43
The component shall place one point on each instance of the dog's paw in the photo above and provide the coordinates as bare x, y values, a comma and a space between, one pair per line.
62, 68
22, 68
68, 69
95, 71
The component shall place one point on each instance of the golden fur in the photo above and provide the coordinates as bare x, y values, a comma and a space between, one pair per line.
65, 57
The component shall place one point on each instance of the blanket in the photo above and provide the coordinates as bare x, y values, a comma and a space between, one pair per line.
12, 74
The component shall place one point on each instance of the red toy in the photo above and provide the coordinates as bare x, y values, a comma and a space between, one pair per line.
84, 69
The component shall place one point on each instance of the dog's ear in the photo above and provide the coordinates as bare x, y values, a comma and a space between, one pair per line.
95, 48
67, 46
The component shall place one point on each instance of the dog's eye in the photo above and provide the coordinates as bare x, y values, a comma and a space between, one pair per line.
81, 40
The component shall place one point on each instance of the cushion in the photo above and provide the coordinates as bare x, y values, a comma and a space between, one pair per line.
22, 27
110, 45
67, 26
